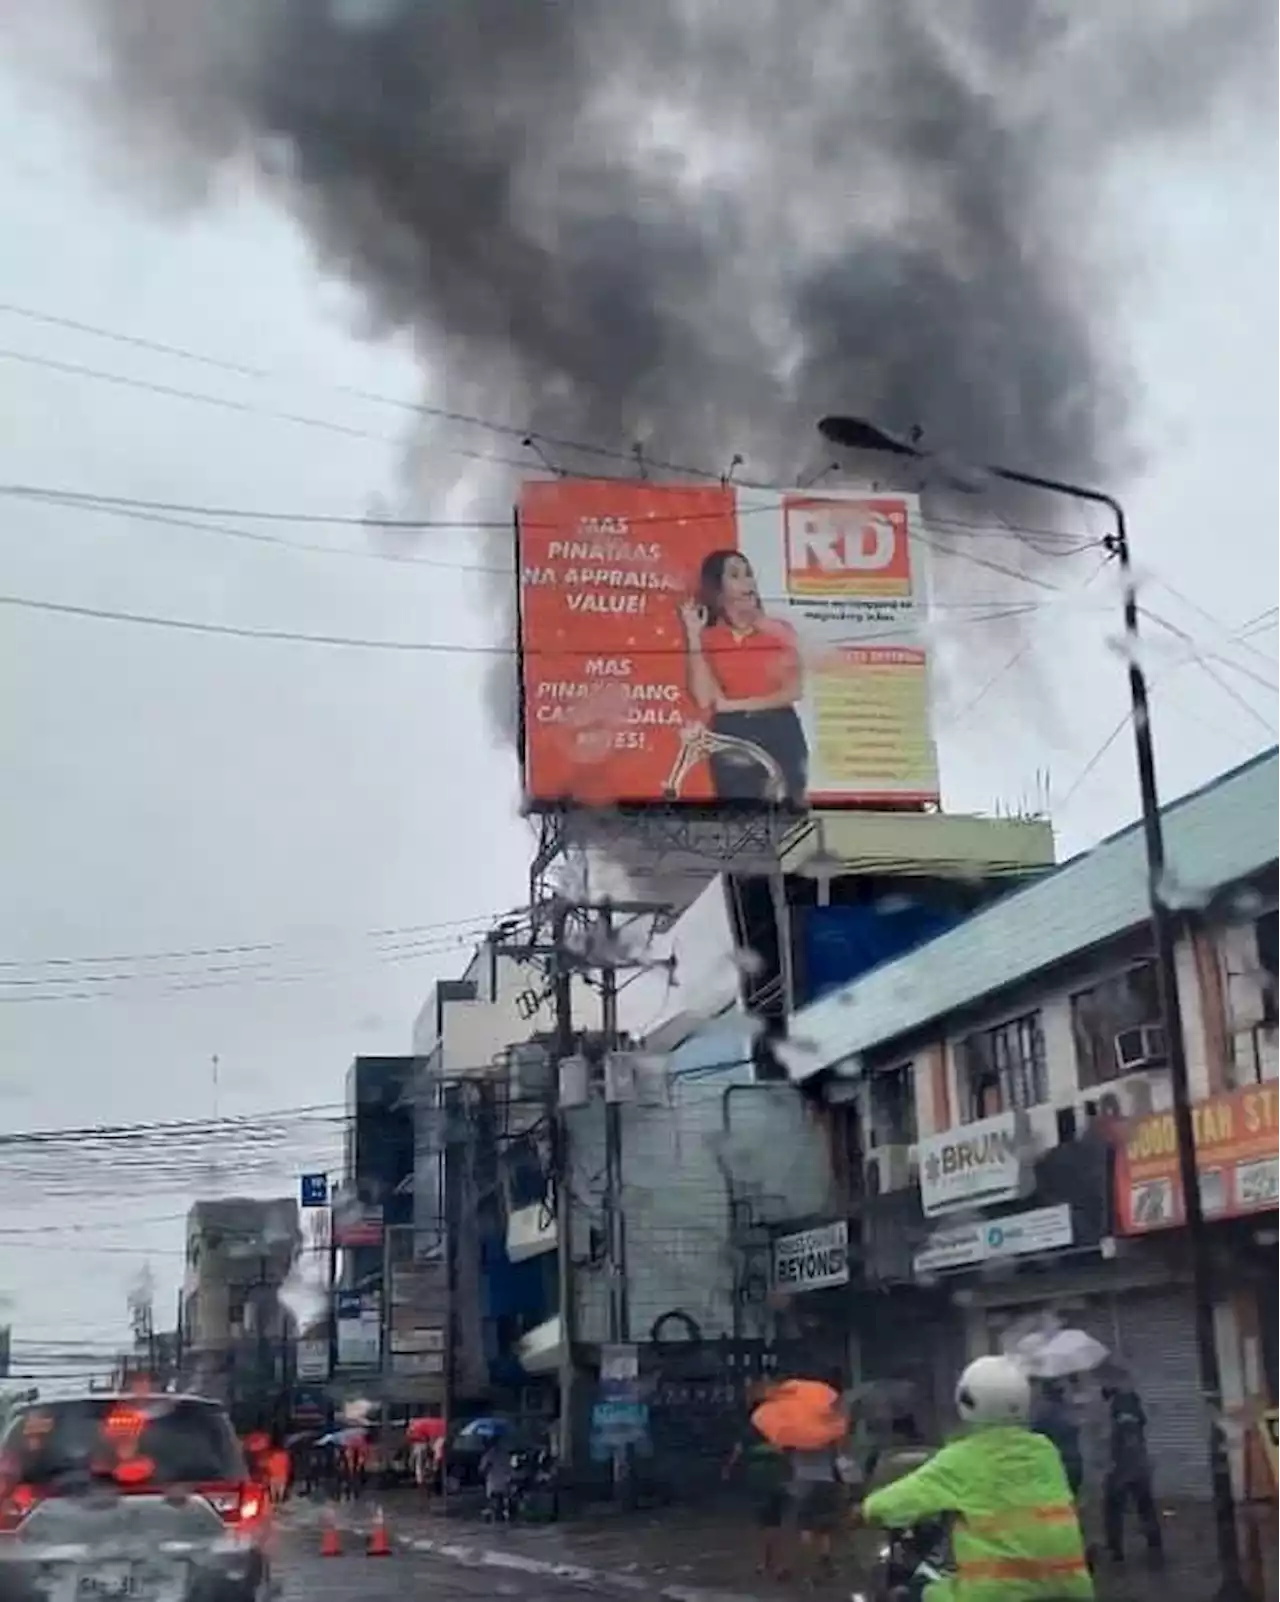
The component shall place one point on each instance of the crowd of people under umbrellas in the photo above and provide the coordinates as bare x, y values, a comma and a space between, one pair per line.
810, 1452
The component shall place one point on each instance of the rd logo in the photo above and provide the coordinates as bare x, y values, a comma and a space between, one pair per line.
847, 547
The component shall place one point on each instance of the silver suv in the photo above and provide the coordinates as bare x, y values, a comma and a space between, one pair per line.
136, 1498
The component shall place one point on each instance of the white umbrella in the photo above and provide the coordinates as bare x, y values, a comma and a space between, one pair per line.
1068, 1351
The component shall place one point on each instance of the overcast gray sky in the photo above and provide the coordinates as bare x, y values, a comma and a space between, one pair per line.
178, 793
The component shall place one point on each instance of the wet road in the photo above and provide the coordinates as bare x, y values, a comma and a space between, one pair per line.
303, 1576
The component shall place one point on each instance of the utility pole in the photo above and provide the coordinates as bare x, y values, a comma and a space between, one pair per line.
615, 1216
561, 961
562, 1002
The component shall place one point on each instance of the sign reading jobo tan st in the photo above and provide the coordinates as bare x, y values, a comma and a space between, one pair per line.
1236, 1150
974, 1165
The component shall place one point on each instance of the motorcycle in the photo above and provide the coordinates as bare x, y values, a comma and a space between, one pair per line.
908, 1562
534, 1495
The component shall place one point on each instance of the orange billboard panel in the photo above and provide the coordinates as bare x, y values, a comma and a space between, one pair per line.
711, 643
1236, 1152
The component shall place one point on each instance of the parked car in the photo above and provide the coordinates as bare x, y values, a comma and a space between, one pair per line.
140, 1497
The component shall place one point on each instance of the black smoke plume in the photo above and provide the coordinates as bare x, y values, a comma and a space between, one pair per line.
699, 224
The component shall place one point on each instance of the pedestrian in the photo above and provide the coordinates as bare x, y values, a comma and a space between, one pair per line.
1129, 1474
814, 1493
1054, 1416
495, 1471
278, 1472
766, 1472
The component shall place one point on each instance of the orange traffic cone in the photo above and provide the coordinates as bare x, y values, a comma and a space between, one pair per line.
331, 1540
379, 1540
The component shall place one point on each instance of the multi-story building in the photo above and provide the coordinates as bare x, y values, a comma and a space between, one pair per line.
376, 1191
236, 1334
999, 1098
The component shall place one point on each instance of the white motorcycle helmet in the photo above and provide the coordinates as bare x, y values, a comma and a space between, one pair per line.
993, 1391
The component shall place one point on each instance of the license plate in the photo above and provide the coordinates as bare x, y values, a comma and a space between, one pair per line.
127, 1581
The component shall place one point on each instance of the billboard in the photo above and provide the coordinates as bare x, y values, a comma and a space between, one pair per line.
1235, 1139
718, 644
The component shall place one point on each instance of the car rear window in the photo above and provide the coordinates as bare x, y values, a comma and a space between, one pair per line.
167, 1441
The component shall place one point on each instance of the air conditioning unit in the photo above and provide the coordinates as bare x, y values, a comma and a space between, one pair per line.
1142, 1047
889, 1168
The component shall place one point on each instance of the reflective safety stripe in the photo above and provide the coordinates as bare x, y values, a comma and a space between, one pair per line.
1020, 1517
1021, 1568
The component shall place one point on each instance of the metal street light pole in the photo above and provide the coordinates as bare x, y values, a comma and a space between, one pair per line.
856, 434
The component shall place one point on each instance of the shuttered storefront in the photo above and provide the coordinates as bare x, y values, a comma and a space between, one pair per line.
1155, 1335
1152, 1332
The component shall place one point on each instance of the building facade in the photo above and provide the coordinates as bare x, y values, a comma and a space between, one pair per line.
999, 1098
236, 1335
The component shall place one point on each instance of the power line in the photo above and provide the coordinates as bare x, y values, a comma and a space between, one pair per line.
443, 414
219, 976
417, 647
242, 408
173, 955
229, 1124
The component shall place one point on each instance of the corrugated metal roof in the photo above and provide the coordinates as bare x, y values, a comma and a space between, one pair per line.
1213, 837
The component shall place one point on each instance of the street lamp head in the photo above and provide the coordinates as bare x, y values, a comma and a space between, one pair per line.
857, 434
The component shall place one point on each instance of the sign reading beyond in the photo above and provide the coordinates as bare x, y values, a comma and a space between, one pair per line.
973, 1165
812, 1259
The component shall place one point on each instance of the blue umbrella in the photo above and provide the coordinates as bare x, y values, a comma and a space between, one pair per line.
487, 1427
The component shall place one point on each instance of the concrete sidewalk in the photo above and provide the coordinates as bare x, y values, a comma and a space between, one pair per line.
700, 1557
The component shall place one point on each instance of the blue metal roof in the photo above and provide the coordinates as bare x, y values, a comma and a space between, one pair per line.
1213, 837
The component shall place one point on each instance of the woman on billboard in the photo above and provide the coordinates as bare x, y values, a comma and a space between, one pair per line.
745, 676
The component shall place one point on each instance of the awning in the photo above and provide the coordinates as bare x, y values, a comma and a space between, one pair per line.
539, 1351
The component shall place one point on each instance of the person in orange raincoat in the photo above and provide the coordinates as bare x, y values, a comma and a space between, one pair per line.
279, 1470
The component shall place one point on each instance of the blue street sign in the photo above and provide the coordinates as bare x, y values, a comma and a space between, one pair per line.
315, 1190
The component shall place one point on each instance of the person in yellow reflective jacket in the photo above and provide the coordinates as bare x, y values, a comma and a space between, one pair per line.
1016, 1533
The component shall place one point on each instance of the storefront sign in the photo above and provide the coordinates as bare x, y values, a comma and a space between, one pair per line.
356, 1223
972, 1166
359, 1330
416, 1364
313, 1358
812, 1259
1236, 1145
1044, 1229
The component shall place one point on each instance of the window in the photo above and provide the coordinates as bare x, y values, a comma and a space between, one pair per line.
237, 1312
891, 1108
1117, 1026
1266, 932
67, 1442
1003, 1069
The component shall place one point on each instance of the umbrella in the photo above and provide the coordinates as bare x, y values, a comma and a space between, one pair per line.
342, 1438
1068, 1351
425, 1429
484, 1428
802, 1416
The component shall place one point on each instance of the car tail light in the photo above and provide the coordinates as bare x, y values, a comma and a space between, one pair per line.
236, 1505
15, 1505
